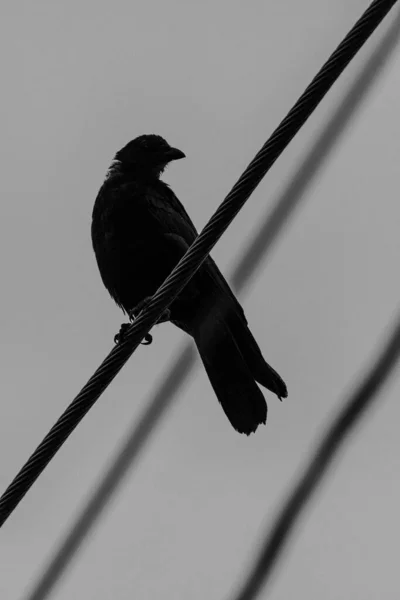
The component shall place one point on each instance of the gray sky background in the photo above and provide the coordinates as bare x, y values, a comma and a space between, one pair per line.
79, 80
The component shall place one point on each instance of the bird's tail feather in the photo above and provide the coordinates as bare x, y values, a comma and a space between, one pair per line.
231, 377
258, 366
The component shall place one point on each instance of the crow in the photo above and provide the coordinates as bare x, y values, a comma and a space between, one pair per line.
140, 231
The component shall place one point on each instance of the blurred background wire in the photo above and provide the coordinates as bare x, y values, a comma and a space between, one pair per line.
325, 453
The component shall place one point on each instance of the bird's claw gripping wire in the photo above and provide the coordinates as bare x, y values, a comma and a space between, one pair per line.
120, 336
133, 314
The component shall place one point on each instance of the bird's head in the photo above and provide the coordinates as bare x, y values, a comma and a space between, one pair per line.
147, 154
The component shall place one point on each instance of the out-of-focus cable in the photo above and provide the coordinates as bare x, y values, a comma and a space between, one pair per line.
326, 452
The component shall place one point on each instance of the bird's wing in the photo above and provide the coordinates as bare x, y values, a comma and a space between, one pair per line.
178, 223
179, 230
171, 214
213, 271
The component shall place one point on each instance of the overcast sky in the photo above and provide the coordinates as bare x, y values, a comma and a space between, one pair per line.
79, 80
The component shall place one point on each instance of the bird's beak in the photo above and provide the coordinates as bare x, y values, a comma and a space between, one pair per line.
174, 154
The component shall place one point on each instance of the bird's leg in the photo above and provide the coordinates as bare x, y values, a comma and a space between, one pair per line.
133, 314
120, 336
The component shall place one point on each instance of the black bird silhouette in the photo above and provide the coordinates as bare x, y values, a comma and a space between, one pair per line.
140, 231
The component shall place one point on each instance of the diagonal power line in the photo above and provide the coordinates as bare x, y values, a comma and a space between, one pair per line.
260, 246
196, 254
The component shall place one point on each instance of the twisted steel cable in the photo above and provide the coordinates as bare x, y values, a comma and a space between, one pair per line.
161, 399
196, 254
